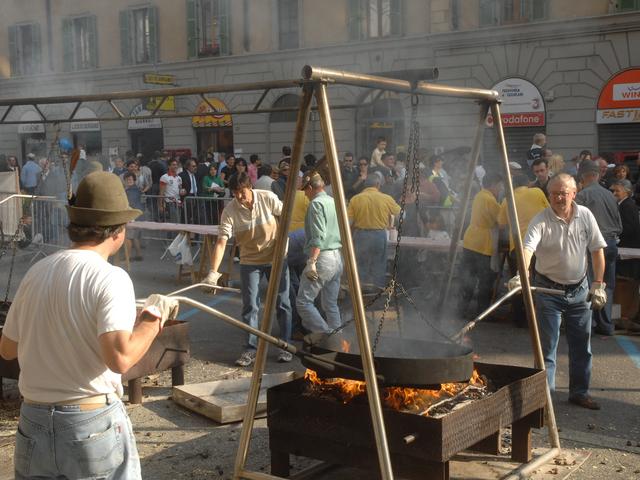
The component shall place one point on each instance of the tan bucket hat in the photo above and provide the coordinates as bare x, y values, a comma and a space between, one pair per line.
101, 201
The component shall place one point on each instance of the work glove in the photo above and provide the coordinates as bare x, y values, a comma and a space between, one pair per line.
597, 295
212, 278
162, 307
514, 283
311, 272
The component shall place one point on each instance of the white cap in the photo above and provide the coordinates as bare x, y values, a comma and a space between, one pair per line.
31, 155
515, 166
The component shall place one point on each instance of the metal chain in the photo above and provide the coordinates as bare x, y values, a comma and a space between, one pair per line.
412, 157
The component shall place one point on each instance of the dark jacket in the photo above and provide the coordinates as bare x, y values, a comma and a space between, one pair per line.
630, 236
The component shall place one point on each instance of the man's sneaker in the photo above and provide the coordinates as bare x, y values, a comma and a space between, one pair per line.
247, 358
284, 356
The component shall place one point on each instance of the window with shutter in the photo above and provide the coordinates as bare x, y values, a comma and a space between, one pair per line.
288, 36
25, 49
192, 29
625, 5
209, 27
139, 35
80, 43
374, 18
125, 37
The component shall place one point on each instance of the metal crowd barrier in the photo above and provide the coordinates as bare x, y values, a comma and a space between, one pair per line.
49, 222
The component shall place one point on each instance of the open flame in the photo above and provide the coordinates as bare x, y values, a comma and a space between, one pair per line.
346, 346
414, 400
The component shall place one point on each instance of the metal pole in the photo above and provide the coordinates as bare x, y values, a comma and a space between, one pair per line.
466, 200
274, 280
348, 253
310, 72
524, 274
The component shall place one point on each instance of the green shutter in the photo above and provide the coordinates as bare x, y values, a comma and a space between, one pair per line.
396, 17
36, 59
223, 21
67, 44
92, 27
627, 5
192, 29
154, 56
125, 43
13, 50
354, 19
487, 13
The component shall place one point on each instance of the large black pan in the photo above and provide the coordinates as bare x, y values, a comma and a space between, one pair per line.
398, 361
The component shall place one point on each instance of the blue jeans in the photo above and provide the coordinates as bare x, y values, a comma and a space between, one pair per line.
574, 308
65, 442
250, 276
602, 320
329, 267
371, 256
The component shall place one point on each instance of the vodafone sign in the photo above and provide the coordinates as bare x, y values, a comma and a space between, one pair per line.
522, 104
619, 100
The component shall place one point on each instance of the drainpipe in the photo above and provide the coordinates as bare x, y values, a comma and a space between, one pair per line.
49, 34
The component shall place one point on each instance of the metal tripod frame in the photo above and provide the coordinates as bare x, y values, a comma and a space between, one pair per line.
317, 81
314, 85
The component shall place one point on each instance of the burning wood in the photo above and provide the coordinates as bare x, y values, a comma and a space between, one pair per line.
410, 400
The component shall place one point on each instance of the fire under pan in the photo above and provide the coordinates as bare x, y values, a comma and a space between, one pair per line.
342, 434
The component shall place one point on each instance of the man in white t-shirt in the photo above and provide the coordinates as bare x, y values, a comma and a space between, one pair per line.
72, 327
170, 192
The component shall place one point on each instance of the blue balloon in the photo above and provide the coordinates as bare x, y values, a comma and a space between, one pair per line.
65, 144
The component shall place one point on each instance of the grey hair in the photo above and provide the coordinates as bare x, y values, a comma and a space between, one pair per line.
624, 183
539, 136
563, 178
316, 182
373, 180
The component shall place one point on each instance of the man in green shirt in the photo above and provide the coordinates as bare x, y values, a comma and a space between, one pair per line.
322, 274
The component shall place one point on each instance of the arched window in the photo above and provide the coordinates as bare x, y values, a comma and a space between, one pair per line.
288, 100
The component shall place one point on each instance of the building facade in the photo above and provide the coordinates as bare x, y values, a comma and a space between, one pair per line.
568, 69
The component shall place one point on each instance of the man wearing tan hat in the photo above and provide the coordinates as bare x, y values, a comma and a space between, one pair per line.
72, 327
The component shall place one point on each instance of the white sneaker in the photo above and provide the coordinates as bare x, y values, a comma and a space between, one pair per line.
284, 356
247, 358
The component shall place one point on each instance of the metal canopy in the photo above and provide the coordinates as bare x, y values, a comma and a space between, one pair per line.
314, 84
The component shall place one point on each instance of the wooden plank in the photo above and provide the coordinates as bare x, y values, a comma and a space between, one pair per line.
224, 401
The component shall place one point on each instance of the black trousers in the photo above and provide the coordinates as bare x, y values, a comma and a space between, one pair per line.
476, 273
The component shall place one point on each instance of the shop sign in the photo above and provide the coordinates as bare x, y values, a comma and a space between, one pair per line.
211, 117
169, 103
159, 79
619, 100
522, 104
29, 128
85, 125
143, 123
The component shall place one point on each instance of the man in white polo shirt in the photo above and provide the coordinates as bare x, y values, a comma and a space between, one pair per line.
251, 217
561, 236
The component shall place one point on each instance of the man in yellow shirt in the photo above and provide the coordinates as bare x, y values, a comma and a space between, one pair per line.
529, 202
370, 215
478, 244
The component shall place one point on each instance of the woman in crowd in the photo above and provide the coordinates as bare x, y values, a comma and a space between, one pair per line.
212, 186
556, 164
228, 170
630, 236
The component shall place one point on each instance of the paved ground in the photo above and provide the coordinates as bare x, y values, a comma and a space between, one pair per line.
177, 443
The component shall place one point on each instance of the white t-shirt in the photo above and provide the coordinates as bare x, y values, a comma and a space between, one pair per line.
172, 189
63, 304
263, 183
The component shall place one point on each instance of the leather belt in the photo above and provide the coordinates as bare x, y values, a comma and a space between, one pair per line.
559, 286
